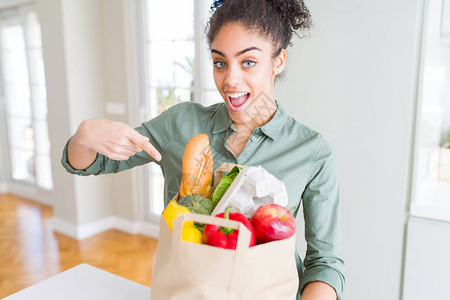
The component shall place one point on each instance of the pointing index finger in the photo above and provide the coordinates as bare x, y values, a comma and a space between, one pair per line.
144, 143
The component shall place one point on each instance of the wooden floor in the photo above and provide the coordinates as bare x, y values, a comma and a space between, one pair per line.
30, 251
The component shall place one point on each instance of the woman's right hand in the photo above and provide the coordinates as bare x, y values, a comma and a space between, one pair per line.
113, 139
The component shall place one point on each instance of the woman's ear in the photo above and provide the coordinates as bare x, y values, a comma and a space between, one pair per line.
279, 62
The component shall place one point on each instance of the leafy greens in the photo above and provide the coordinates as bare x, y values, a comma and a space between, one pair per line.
224, 184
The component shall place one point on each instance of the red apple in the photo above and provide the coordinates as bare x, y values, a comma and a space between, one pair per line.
272, 222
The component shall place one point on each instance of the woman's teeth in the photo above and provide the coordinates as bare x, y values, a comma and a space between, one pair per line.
236, 95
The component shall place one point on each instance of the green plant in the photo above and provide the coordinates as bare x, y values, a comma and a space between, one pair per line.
188, 65
166, 98
166, 95
448, 136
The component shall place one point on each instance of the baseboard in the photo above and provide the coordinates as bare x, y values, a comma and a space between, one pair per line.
27, 192
64, 227
96, 227
149, 229
136, 227
81, 232
3, 188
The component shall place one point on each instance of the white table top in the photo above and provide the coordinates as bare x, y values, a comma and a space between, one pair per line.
84, 282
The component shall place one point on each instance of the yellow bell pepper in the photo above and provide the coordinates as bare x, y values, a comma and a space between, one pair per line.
191, 234
174, 210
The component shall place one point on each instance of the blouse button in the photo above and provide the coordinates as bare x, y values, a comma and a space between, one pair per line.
253, 138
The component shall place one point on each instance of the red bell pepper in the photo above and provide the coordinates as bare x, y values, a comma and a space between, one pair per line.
226, 237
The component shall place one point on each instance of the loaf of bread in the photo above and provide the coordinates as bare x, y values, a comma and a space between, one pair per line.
197, 167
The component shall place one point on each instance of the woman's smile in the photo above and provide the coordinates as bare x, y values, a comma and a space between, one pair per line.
236, 100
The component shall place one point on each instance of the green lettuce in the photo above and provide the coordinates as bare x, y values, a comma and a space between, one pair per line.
224, 184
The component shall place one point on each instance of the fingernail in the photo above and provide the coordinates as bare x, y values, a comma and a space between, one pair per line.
158, 156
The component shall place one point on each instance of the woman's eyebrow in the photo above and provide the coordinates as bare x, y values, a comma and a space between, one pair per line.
217, 51
246, 50
239, 53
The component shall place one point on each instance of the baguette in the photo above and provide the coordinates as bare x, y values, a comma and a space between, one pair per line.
197, 168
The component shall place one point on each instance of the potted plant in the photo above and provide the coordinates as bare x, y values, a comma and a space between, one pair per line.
444, 160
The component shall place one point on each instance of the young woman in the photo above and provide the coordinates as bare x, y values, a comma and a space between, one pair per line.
247, 39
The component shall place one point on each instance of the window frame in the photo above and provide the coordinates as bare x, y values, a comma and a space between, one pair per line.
417, 206
31, 190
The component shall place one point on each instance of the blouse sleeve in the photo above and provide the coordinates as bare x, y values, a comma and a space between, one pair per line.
324, 254
159, 130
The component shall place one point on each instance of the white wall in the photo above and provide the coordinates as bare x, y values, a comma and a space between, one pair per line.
52, 31
84, 47
118, 73
2, 154
427, 265
3, 174
354, 81
72, 34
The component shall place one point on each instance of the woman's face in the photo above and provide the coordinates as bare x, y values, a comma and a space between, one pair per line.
244, 73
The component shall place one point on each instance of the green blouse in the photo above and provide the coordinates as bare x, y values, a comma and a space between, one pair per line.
286, 148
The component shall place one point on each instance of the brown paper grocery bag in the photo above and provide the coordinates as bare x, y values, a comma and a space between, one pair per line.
191, 271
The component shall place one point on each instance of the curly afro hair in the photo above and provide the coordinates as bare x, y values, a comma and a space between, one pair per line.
275, 19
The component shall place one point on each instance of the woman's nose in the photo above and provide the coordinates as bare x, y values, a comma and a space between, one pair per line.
233, 77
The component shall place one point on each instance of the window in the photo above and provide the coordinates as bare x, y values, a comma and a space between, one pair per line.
430, 193
24, 92
177, 68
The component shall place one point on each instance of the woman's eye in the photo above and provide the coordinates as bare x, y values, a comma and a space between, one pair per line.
249, 63
219, 64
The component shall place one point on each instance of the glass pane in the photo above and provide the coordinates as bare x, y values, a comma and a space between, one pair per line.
166, 97
14, 67
18, 100
37, 75
170, 20
20, 133
211, 97
445, 21
208, 78
40, 102
172, 64
13, 55
23, 166
44, 173
33, 29
156, 189
12, 32
43, 143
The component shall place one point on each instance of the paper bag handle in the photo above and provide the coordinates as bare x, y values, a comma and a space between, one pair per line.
242, 246
223, 168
